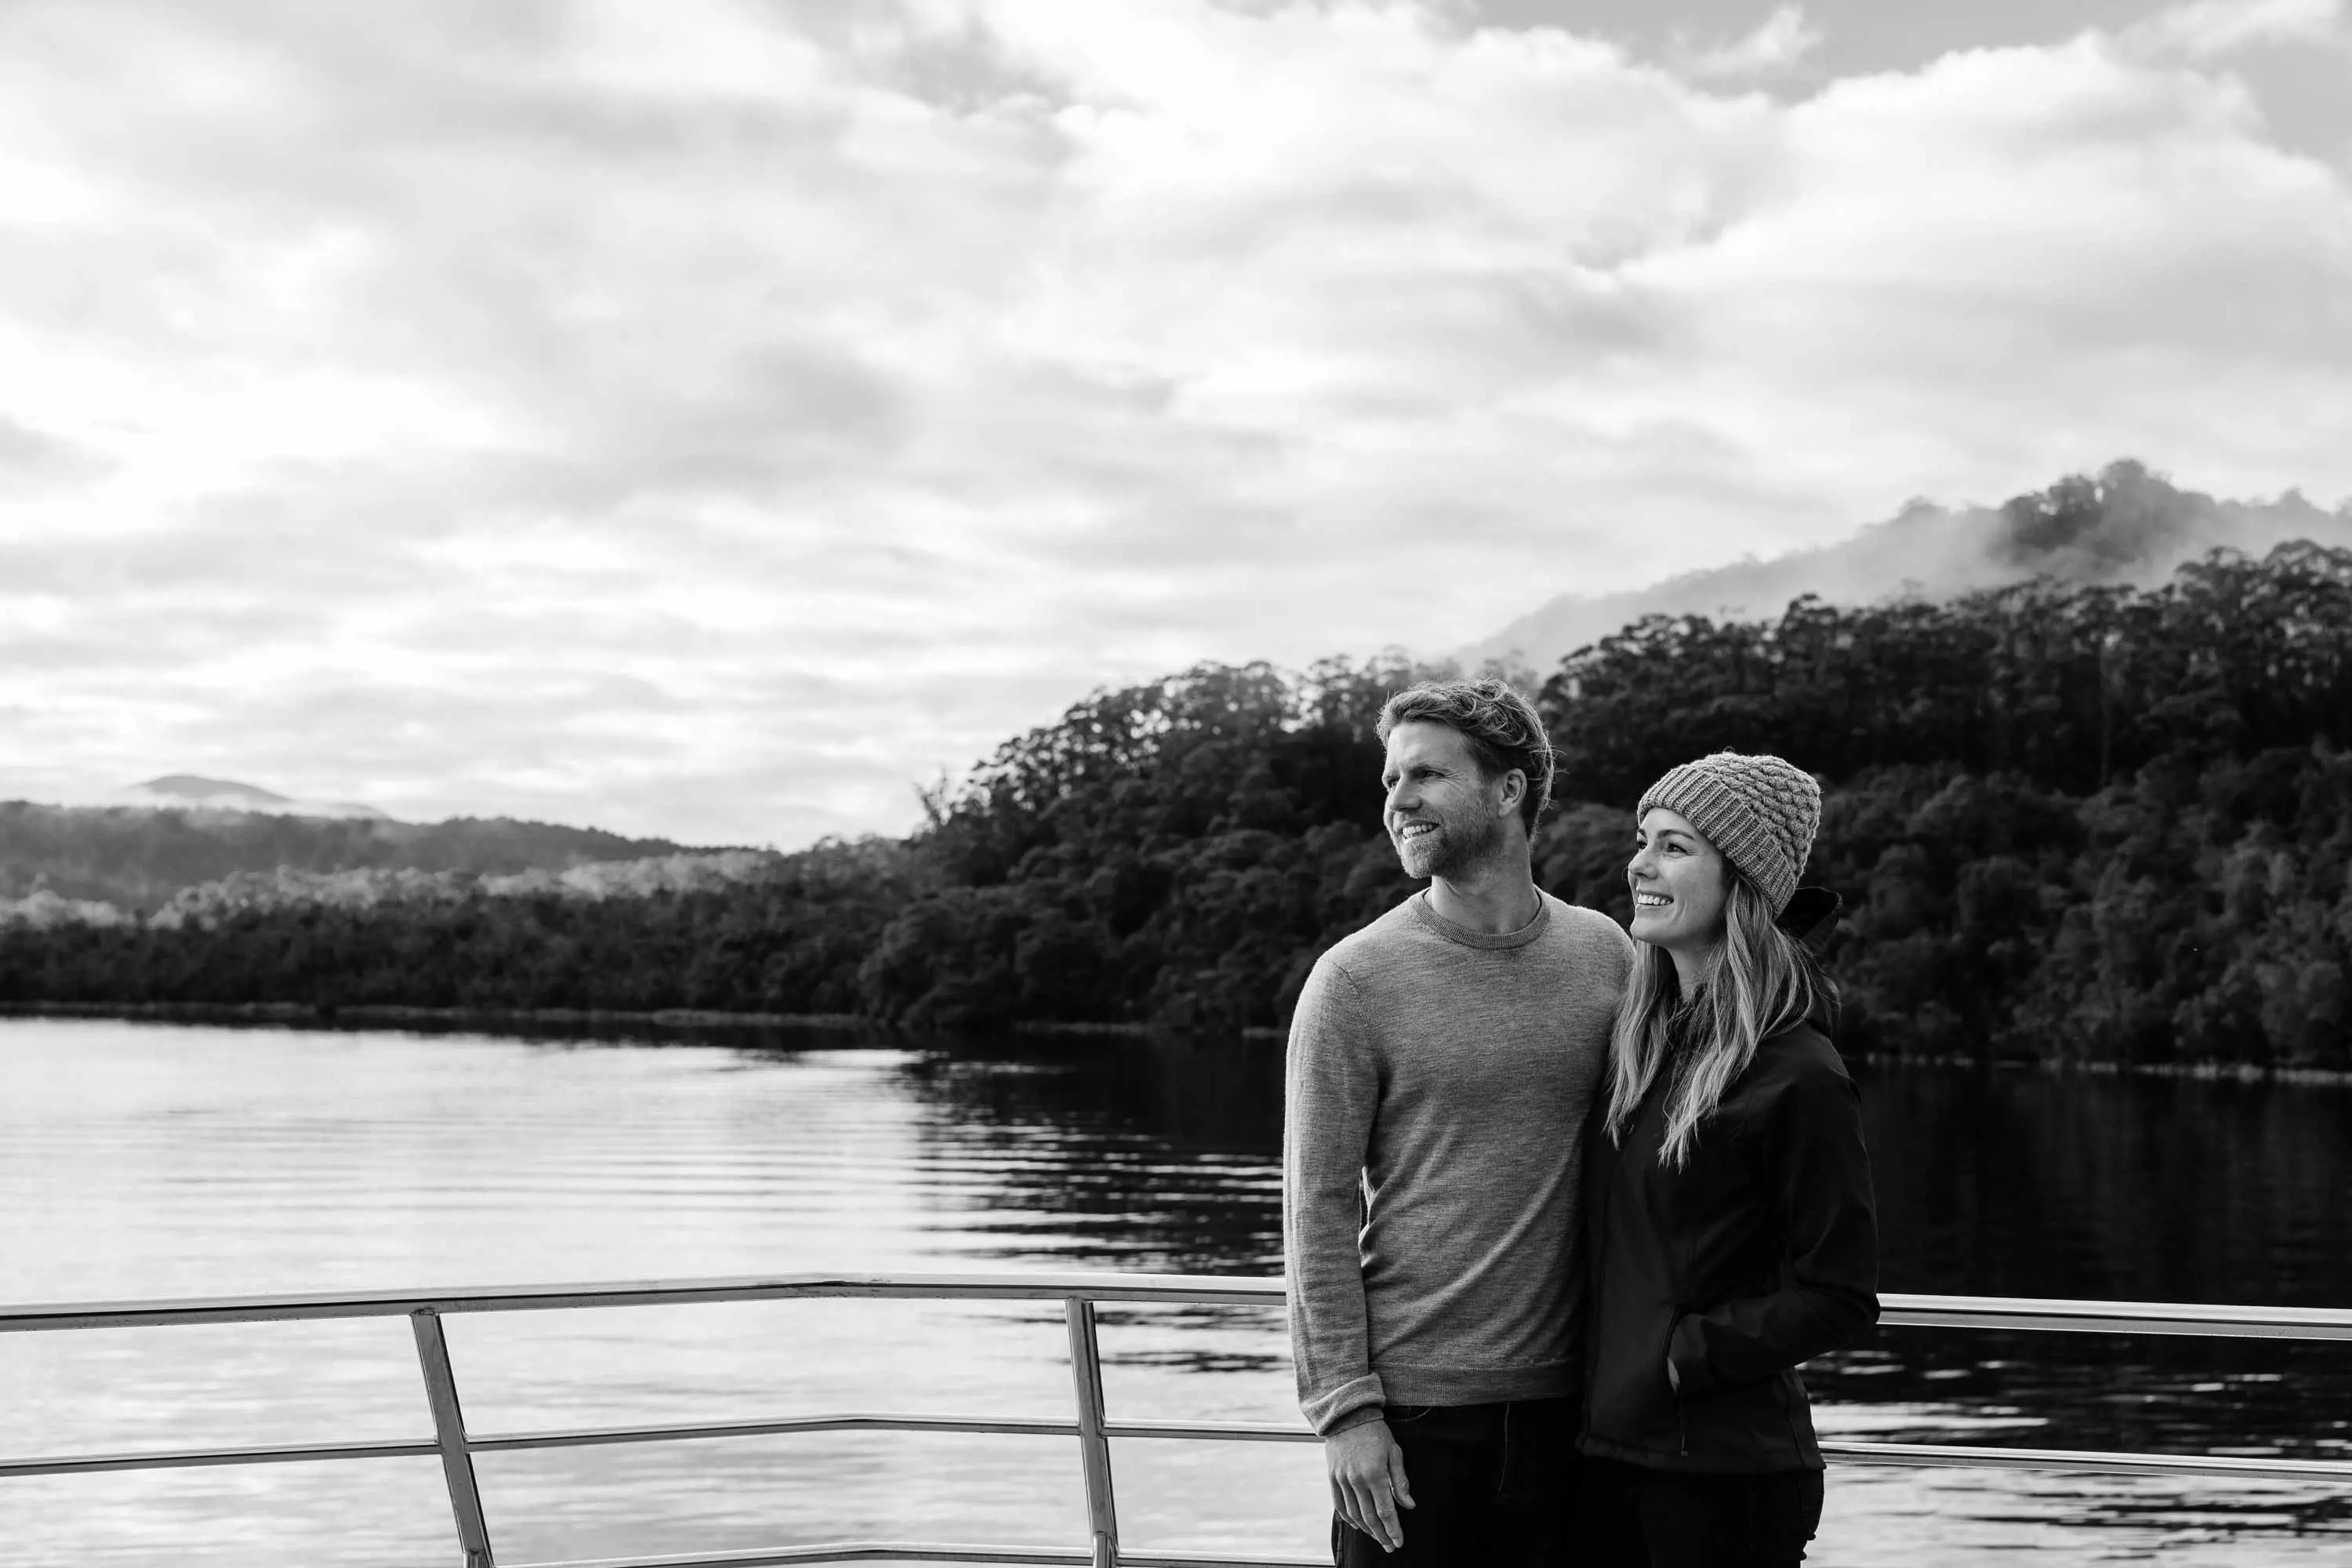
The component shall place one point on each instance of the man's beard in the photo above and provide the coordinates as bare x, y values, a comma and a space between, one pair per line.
1461, 846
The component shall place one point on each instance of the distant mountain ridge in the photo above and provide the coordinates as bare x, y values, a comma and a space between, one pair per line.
137, 858
2125, 525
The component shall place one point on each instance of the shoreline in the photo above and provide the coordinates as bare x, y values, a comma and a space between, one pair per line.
399, 1013
2235, 1072
402, 1013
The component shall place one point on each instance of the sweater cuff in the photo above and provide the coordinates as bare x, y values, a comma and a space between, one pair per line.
1352, 1403
1686, 1348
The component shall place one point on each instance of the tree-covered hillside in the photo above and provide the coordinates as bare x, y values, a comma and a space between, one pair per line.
2081, 821
2076, 821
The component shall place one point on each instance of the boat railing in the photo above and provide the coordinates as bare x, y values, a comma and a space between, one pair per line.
455, 1443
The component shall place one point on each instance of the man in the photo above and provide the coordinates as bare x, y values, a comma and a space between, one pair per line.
1441, 1063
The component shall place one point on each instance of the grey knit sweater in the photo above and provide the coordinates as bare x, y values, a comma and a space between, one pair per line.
1433, 1108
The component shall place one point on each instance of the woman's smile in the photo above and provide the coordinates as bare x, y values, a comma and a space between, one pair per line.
1678, 880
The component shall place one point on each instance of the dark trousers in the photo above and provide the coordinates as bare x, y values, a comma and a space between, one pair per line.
1631, 1517
1492, 1485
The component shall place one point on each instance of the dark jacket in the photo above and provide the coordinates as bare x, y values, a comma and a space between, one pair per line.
1759, 1253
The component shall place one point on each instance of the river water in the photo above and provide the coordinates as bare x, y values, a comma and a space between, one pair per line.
144, 1160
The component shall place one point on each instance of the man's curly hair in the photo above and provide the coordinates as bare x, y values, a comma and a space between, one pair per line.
1500, 724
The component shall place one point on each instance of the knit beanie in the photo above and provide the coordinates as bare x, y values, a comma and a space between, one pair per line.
1760, 812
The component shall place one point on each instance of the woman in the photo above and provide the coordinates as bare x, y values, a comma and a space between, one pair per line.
1728, 1217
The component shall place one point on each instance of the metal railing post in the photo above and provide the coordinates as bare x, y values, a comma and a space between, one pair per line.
1094, 1444
449, 1435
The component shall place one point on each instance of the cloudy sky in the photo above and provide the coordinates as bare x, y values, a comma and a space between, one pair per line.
710, 418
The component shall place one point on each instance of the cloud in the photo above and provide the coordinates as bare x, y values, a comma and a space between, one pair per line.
2208, 29
1779, 42
32, 459
714, 429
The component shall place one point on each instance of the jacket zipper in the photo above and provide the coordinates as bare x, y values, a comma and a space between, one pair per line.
1682, 1427
1665, 1353
1680, 1266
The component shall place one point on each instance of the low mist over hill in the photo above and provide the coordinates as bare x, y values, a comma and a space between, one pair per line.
136, 859
2126, 526
192, 791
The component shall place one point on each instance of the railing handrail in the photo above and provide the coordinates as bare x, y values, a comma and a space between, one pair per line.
1079, 1294
1209, 1290
2223, 1319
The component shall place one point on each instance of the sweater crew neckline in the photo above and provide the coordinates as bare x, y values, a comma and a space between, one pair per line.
1451, 931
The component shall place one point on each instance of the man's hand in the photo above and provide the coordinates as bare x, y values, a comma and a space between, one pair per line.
1368, 1480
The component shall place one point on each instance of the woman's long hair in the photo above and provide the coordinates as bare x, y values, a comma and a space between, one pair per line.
1760, 981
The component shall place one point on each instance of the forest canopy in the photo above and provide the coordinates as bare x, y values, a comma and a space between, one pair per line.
2077, 821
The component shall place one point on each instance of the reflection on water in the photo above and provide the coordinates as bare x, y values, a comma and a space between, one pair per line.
142, 1160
